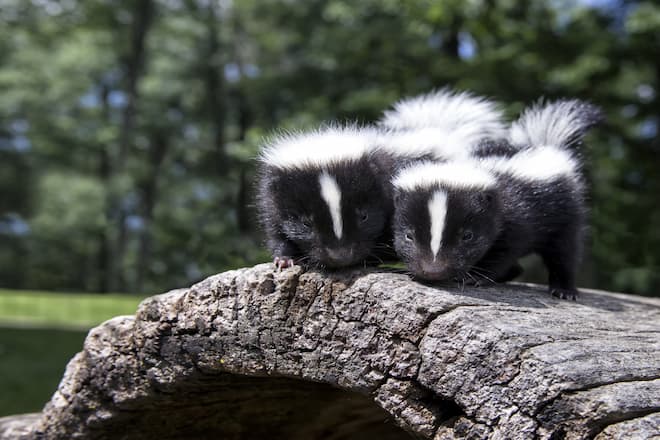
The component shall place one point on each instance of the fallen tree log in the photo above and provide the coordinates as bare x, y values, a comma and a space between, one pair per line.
254, 353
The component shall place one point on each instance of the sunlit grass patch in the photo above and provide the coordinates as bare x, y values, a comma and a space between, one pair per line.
63, 309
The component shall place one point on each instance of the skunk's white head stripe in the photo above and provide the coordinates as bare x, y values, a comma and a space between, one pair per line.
331, 193
460, 175
537, 164
438, 215
319, 148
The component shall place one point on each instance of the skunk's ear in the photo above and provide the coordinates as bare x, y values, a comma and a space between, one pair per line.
487, 198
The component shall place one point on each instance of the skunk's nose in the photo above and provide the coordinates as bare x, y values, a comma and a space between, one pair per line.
433, 270
339, 257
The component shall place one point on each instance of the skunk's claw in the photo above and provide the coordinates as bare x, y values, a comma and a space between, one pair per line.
474, 282
564, 293
283, 262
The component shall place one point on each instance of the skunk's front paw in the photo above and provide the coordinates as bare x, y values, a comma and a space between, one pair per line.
564, 293
514, 272
475, 280
283, 262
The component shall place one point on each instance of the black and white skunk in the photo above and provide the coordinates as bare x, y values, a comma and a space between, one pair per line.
324, 198
445, 125
473, 219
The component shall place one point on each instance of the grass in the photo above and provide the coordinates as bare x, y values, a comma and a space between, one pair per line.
32, 362
39, 333
63, 309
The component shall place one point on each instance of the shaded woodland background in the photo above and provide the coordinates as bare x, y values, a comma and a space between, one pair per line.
128, 129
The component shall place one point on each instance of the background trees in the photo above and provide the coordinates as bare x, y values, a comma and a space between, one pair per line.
128, 129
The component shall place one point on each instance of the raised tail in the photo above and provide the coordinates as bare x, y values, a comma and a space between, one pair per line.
448, 110
559, 124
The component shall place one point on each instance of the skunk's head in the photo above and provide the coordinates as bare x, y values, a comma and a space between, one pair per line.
334, 205
335, 216
446, 217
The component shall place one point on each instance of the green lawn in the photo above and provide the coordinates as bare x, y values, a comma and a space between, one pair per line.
63, 309
39, 333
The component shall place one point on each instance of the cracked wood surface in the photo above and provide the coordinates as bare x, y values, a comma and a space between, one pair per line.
254, 353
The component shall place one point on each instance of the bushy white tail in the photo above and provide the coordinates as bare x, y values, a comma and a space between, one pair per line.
557, 124
449, 110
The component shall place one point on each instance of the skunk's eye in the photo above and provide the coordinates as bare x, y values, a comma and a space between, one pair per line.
362, 215
409, 237
467, 236
306, 222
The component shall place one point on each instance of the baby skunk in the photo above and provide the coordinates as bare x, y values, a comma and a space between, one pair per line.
324, 198
472, 220
445, 125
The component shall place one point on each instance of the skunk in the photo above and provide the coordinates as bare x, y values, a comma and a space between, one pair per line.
445, 125
324, 198
473, 219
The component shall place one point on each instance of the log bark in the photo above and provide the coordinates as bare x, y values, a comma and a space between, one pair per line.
254, 353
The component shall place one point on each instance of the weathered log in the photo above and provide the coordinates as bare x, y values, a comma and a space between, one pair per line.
18, 426
254, 353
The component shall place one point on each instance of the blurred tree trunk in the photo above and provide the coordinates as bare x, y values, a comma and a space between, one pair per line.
245, 121
105, 250
243, 195
214, 77
450, 42
242, 211
149, 196
656, 105
133, 69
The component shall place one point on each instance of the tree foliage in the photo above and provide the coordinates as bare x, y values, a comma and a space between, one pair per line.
128, 129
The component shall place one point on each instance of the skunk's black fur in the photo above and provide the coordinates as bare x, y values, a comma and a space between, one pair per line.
298, 222
487, 228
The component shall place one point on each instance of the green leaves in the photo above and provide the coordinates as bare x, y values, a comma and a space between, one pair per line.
178, 205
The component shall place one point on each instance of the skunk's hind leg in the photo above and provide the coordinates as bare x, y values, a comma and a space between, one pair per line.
561, 256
